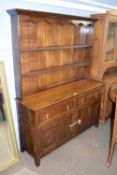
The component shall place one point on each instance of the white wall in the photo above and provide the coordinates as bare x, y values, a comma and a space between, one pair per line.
6, 42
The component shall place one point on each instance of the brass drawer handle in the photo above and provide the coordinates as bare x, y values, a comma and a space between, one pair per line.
79, 121
47, 116
82, 101
75, 93
67, 107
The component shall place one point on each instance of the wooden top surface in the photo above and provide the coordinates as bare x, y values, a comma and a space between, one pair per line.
12, 12
51, 96
108, 13
110, 77
113, 93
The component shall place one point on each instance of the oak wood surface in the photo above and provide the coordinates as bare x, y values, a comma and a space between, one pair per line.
52, 58
54, 95
46, 47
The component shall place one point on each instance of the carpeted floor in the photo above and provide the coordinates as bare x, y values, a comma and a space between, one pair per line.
86, 154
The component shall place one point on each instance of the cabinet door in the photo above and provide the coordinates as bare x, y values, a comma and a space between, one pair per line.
87, 115
110, 50
54, 133
92, 112
78, 122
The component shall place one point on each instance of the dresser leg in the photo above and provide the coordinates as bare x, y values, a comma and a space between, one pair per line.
22, 144
22, 148
97, 124
37, 161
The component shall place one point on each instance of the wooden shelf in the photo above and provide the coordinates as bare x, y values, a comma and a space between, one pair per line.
56, 48
52, 69
110, 77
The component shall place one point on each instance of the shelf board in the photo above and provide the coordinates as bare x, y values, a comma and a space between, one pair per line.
56, 48
52, 69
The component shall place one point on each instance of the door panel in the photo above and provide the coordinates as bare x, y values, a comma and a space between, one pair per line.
78, 122
92, 112
54, 133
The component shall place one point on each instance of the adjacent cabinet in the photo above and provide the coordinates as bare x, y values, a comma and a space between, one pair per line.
64, 68
105, 44
104, 57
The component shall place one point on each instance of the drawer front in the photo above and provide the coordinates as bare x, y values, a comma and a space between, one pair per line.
80, 100
89, 97
94, 96
57, 109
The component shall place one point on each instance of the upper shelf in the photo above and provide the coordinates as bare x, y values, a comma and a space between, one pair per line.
53, 69
56, 48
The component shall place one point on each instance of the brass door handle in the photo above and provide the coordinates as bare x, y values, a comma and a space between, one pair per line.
78, 122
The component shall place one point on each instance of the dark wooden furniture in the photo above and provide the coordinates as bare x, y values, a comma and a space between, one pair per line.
104, 57
49, 49
50, 118
56, 101
113, 97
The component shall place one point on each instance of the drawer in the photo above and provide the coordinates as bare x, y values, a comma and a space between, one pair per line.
94, 96
89, 97
56, 109
80, 100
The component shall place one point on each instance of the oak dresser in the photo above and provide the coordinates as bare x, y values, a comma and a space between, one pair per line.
52, 59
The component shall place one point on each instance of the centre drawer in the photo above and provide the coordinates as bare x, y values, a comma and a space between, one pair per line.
56, 109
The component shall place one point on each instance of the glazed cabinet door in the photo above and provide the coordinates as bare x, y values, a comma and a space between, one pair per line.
53, 133
111, 42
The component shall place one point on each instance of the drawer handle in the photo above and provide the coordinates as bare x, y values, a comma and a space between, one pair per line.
75, 93
96, 95
67, 107
47, 116
79, 121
